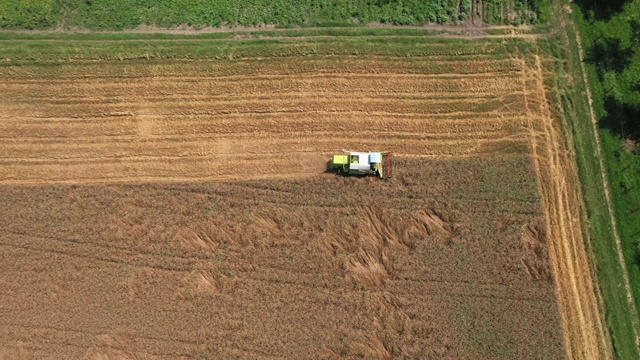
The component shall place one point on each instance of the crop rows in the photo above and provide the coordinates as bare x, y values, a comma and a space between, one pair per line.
203, 126
198, 200
285, 268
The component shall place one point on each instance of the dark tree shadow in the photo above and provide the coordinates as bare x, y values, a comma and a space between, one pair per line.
622, 119
601, 9
608, 54
635, 32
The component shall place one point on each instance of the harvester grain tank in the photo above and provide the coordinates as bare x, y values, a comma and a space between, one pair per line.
376, 163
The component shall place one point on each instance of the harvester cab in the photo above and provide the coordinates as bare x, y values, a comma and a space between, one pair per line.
376, 163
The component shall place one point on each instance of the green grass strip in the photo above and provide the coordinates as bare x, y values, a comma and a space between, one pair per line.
570, 90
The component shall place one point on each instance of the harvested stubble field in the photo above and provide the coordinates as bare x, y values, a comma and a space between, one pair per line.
180, 209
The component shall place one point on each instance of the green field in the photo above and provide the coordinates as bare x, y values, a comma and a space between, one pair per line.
613, 62
83, 48
127, 14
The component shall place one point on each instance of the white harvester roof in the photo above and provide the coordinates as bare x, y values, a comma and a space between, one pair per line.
375, 157
365, 159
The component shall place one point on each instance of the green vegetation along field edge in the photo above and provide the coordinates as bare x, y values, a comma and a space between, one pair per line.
243, 34
570, 89
128, 14
612, 44
54, 51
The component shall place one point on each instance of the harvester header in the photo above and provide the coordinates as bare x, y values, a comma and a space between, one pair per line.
376, 163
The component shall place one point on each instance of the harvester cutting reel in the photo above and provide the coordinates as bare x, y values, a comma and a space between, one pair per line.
376, 163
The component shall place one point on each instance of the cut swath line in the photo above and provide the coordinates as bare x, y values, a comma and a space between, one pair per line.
583, 324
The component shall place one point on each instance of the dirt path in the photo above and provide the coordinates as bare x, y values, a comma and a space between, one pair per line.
584, 330
476, 13
607, 193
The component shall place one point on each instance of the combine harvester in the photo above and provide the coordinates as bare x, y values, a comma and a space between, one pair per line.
376, 163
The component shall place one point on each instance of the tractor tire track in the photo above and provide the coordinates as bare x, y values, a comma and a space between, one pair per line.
584, 330
95, 252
